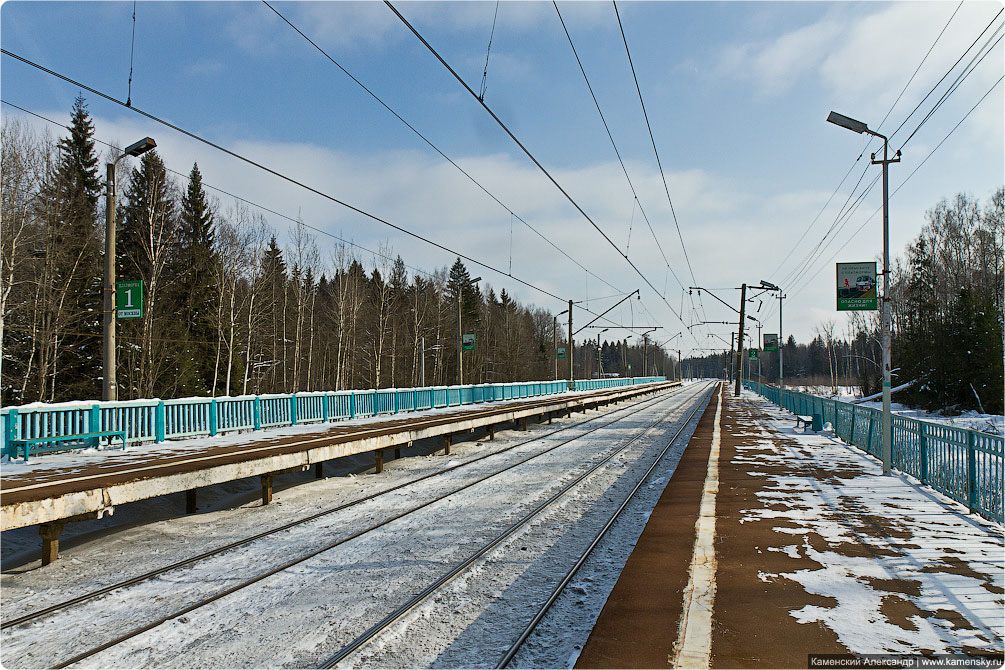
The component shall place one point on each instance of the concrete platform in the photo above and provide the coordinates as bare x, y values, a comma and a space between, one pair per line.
771, 544
46, 495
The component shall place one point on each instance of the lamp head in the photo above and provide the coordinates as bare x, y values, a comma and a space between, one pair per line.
847, 122
141, 147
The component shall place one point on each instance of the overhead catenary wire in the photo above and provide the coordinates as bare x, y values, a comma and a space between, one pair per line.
617, 152
870, 138
527, 152
375, 254
283, 176
906, 179
841, 219
435, 148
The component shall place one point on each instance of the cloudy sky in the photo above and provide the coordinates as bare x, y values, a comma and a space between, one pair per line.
736, 93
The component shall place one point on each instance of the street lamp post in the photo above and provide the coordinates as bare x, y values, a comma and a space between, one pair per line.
109, 387
859, 127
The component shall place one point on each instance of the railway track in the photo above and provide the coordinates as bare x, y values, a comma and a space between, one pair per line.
160, 572
372, 633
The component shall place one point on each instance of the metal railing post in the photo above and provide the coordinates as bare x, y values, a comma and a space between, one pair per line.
923, 451
972, 470
293, 409
160, 421
212, 416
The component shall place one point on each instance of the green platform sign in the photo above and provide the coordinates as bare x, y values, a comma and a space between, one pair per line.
129, 299
771, 341
856, 286
468, 341
561, 352
752, 354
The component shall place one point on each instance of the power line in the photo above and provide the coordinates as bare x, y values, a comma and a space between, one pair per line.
280, 175
526, 151
925, 160
804, 266
376, 254
653, 140
869, 140
294, 220
435, 148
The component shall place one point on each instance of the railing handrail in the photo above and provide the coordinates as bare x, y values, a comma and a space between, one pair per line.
155, 419
965, 464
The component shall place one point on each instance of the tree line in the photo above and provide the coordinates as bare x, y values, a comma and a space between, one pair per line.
227, 309
947, 310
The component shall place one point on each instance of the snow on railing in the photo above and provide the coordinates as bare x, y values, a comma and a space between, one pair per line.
154, 420
965, 464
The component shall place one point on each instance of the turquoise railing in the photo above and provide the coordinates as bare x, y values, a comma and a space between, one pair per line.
159, 420
964, 464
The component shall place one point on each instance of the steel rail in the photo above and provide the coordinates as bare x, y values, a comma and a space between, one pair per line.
31, 616
285, 566
511, 652
385, 622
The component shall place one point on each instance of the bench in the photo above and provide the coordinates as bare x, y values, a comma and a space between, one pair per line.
26, 443
805, 421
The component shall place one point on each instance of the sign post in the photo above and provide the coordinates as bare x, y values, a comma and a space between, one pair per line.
129, 299
856, 286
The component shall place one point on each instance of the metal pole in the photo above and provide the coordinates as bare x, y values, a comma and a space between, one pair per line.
781, 368
645, 353
422, 366
572, 381
109, 390
885, 448
460, 338
554, 343
739, 345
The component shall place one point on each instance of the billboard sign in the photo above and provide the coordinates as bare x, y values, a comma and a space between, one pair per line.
468, 341
771, 341
561, 352
856, 286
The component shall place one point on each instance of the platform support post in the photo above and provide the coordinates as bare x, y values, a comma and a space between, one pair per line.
50, 533
549, 418
446, 444
266, 489
319, 470
492, 431
379, 460
190, 501
397, 453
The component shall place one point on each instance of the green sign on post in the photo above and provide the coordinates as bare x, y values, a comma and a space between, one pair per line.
856, 286
468, 341
561, 352
752, 354
129, 299
771, 341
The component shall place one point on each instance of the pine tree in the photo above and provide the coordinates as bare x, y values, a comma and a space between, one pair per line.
147, 250
195, 287
73, 273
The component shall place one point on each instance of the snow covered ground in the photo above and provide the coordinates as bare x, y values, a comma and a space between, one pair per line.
903, 568
305, 613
